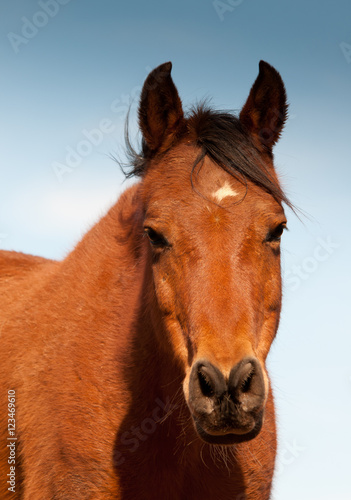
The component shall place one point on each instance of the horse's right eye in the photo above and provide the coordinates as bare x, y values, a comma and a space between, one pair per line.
156, 239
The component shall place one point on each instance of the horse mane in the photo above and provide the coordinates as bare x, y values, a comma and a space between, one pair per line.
221, 136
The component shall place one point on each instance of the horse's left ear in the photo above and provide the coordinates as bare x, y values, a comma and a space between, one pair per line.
160, 112
265, 110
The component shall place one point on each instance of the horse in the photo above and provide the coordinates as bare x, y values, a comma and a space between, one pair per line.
135, 368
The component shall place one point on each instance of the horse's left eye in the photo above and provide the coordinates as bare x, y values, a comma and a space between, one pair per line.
276, 233
156, 239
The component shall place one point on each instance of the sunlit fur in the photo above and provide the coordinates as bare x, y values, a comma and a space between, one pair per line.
100, 346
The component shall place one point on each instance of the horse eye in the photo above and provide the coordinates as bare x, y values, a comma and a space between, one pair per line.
276, 233
156, 239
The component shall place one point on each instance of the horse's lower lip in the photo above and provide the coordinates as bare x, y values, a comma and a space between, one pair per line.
228, 437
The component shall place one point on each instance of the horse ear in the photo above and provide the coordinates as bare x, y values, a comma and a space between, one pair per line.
160, 112
265, 110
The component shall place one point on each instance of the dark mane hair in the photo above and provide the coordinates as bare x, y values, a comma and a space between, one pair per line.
221, 136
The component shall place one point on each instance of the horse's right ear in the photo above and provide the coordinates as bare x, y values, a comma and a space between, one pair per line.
161, 115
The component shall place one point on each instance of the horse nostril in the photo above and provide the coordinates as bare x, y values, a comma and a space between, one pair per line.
205, 383
246, 384
211, 393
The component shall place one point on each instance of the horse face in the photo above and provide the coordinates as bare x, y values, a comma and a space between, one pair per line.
213, 246
215, 260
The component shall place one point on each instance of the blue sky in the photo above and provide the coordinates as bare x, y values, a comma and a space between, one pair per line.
70, 75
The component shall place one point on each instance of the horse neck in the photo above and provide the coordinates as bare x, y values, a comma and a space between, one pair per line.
157, 373
110, 267
112, 274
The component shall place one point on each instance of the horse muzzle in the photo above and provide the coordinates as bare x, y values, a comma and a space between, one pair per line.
227, 410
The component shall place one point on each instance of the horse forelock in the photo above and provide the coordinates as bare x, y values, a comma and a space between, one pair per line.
221, 137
